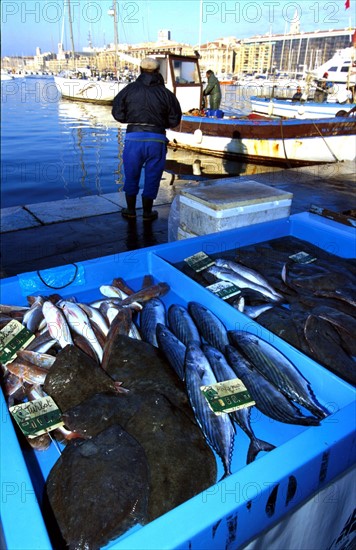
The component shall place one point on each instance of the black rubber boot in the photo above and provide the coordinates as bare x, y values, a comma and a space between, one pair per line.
130, 211
148, 214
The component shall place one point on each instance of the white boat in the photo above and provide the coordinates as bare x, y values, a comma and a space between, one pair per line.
80, 84
101, 92
297, 109
4, 75
276, 141
341, 68
341, 74
255, 138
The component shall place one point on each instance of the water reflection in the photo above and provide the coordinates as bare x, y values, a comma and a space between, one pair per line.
89, 114
188, 165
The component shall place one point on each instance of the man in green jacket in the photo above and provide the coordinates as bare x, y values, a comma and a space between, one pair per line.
213, 91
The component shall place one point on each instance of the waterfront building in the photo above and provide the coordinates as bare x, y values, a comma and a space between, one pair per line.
292, 53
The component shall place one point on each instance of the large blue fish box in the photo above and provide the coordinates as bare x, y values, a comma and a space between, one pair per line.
256, 496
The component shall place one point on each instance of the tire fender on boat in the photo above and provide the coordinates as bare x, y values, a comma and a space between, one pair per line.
198, 136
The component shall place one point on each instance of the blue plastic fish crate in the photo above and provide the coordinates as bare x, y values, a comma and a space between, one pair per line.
254, 497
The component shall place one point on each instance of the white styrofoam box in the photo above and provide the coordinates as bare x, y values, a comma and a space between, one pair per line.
215, 207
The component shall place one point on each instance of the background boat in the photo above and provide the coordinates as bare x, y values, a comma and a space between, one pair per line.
297, 109
4, 75
101, 92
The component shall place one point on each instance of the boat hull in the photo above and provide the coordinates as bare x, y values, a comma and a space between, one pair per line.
291, 109
99, 92
273, 141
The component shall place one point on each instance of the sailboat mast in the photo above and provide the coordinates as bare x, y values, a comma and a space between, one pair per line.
116, 37
71, 32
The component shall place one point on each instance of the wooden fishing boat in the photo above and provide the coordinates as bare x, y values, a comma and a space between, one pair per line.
297, 109
284, 142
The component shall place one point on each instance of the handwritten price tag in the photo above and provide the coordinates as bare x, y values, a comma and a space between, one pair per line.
37, 417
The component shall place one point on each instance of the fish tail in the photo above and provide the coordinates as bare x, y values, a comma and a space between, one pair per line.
256, 446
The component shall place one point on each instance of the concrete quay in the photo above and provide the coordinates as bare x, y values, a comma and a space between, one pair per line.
50, 234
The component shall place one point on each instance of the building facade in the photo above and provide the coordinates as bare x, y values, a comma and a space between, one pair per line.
292, 53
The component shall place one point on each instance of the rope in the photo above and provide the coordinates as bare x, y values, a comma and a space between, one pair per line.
284, 145
326, 143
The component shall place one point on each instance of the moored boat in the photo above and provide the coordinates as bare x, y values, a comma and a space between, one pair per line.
101, 92
285, 142
4, 75
297, 109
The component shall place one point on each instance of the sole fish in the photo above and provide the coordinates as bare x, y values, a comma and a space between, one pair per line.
279, 370
268, 399
218, 429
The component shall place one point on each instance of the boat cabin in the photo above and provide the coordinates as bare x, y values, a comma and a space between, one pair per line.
181, 75
341, 68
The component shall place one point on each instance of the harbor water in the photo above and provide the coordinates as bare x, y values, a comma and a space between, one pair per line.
54, 149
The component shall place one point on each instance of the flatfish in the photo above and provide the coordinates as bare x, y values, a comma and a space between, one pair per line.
98, 488
326, 346
74, 376
157, 413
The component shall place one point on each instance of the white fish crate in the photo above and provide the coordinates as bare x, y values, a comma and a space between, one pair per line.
256, 496
219, 206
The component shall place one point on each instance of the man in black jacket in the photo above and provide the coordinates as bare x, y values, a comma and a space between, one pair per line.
148, 108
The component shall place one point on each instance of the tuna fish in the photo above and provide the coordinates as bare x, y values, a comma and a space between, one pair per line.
223, 371
154, 312
209, 325
278, 369
182, 324
268, 398
217, 429
173, 349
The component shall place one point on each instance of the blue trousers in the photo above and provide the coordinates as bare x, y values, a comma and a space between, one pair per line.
144, 150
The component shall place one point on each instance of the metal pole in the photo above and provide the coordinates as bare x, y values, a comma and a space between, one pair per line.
116, 37
71, 32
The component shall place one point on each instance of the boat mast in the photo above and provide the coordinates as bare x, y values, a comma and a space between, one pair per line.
116, 37
113, 13
71, 32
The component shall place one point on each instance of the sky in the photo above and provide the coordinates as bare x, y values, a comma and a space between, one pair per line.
27, 24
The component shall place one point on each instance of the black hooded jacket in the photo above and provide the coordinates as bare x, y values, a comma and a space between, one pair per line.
146, 105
